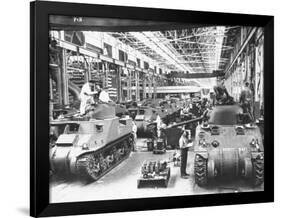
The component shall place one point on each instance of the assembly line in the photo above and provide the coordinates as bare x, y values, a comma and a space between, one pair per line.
129, 119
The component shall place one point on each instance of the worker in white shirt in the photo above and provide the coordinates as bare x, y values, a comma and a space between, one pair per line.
158, 121
134, 130
103, 94
86, 97
185, 143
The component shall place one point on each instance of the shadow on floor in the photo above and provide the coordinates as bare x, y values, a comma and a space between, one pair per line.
23, 210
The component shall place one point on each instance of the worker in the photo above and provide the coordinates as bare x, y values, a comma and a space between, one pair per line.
222, 95
245, 100
134, 130
185, 143
158, 121
86, 97
103, 94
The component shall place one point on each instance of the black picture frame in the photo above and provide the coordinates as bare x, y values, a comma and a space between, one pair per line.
39, 107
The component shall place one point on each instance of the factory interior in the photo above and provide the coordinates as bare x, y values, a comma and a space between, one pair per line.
146, 109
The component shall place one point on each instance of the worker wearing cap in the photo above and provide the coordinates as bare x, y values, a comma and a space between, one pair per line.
185, 143
86, 97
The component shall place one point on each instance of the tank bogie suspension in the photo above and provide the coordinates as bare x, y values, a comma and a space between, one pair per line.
95, 164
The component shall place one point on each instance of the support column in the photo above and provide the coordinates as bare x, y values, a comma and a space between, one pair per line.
154, 84
51, 100
149, 87
137, 86
154, 88
144, 86
64, 78
106, 73
87, 71
129, 87
119, 86
103, 73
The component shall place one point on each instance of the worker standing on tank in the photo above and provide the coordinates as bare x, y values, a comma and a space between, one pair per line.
245, 100
86, 97
185, 143
222, 95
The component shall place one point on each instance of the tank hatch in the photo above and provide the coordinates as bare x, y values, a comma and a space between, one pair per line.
66, 140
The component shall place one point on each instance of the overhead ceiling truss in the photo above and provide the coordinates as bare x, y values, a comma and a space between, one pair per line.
193, 50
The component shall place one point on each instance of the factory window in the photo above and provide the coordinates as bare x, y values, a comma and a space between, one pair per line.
107, 50
123, 56
145, 65
138, 62
75, 37
133, 63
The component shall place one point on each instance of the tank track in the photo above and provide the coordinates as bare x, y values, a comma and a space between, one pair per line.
93, 165
200, 170
258, 171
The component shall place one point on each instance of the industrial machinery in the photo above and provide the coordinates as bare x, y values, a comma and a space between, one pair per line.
227, 148
154, 173
91, 146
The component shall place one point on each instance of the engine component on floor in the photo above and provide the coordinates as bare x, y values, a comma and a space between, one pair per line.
159, 146
154, 173
228, 149
91, 148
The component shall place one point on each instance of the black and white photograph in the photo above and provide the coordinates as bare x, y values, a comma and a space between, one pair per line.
143, 109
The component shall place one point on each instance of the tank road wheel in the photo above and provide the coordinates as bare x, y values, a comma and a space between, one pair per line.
200, 170
127, 147
131, 140
211, 170
247, 172
258, 171
102, 163
88, 166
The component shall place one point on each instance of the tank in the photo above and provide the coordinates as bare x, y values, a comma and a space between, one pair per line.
120, 110
145, 116
227, 147
93, 145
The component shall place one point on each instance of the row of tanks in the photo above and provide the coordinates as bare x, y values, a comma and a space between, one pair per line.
148, 111
226, 146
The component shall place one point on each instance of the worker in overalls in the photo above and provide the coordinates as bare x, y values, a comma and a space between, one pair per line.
86, 97
185, 142
245, 100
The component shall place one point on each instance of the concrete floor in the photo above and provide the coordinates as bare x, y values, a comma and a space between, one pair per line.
121, 182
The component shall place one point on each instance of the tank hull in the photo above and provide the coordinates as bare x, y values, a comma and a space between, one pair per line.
229, 151
92, 148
